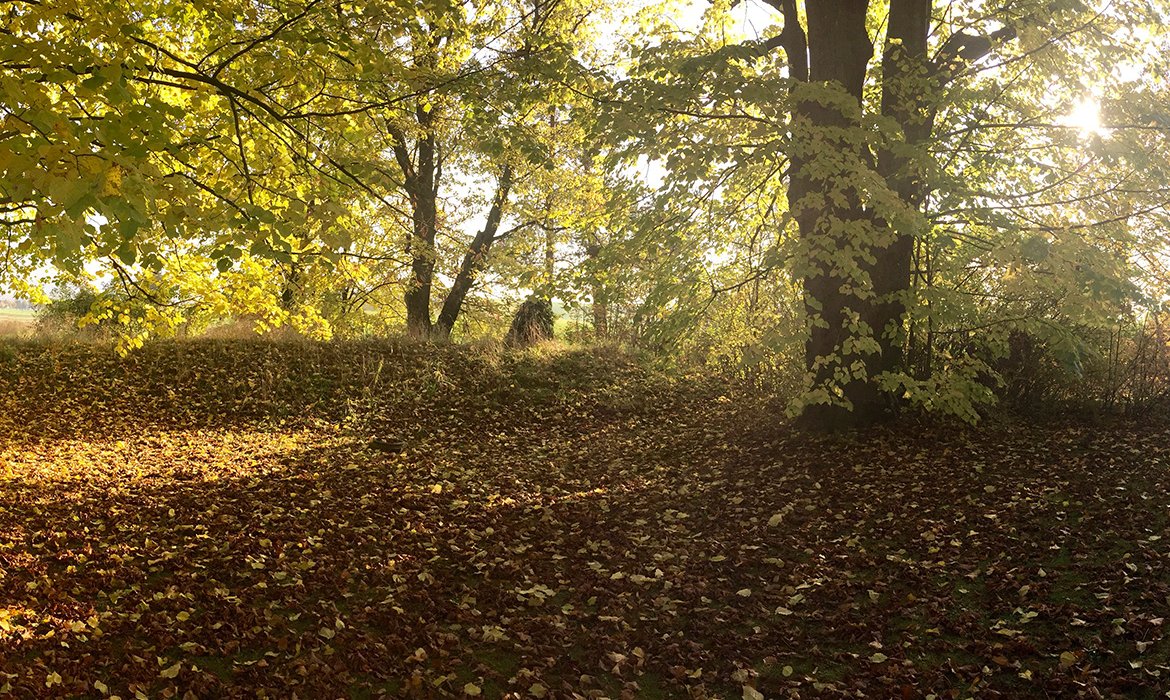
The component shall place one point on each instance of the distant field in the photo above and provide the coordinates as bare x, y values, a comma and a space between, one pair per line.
16, 322
18, 315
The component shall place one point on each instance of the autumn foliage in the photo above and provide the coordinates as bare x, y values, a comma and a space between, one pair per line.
206, 520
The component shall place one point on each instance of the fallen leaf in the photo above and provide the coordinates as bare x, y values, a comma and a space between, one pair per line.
750, 693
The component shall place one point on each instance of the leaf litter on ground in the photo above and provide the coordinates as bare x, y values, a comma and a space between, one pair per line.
547, 536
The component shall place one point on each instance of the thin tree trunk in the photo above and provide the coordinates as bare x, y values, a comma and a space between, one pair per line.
292, 280
550, 260
475, 258
600, 318
597, 291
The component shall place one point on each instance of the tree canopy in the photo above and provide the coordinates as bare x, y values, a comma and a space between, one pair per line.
874, 203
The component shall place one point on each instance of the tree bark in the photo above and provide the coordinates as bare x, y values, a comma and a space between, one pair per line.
597, 291
473, 261
827, 148
858, 263
420, 175
423, 191
906, 97
600, 319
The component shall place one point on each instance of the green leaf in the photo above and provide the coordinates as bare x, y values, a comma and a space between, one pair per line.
127, 253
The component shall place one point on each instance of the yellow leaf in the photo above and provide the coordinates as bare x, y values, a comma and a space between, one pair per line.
112, 182
172, 671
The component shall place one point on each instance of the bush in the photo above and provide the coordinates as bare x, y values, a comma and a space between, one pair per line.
1123, 369
67, 306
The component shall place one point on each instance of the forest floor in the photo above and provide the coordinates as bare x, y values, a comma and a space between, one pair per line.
664, 541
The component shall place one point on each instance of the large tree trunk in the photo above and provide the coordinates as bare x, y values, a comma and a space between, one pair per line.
420, 178
600, 317
859, 264
828, 150
423, 191
905, 98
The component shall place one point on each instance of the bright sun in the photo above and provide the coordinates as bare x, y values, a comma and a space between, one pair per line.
1085, 117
